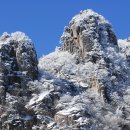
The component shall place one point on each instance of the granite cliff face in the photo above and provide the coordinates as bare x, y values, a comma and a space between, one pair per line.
83, 85
87, 32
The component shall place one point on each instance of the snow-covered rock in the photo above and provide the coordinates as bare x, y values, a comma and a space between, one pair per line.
82, 85
88, 32
101, 66
18, 65
18, 59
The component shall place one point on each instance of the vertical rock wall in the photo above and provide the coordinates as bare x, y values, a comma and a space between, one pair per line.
87, 31
18, 62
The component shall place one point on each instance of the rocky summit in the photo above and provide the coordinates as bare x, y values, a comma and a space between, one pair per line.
83, 85
87, 32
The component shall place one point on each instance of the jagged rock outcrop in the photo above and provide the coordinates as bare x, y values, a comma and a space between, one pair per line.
18, 60
87, 31
18, 66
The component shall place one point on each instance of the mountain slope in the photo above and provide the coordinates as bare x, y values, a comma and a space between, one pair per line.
82, 85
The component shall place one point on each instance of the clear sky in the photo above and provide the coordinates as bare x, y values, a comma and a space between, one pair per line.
44, 20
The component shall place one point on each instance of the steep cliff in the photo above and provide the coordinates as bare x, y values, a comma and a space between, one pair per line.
87, 32
18, 66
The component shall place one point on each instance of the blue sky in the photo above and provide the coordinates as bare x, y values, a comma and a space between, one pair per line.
44, 20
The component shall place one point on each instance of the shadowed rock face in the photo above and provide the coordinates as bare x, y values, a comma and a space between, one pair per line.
87, 31
18, 60
18, 66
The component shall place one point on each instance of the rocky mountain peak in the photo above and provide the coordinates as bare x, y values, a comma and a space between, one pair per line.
91, 39
88, 31
18, 66
18, 60
18, 47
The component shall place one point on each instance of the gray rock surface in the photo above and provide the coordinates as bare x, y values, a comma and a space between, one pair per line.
87, 31
18, 66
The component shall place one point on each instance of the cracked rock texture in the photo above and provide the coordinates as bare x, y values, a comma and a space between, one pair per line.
87, 31
18, 65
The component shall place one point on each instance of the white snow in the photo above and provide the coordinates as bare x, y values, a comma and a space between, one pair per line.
85, 14
16, 36
42, 95
19, 36
68, 111
37, 98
